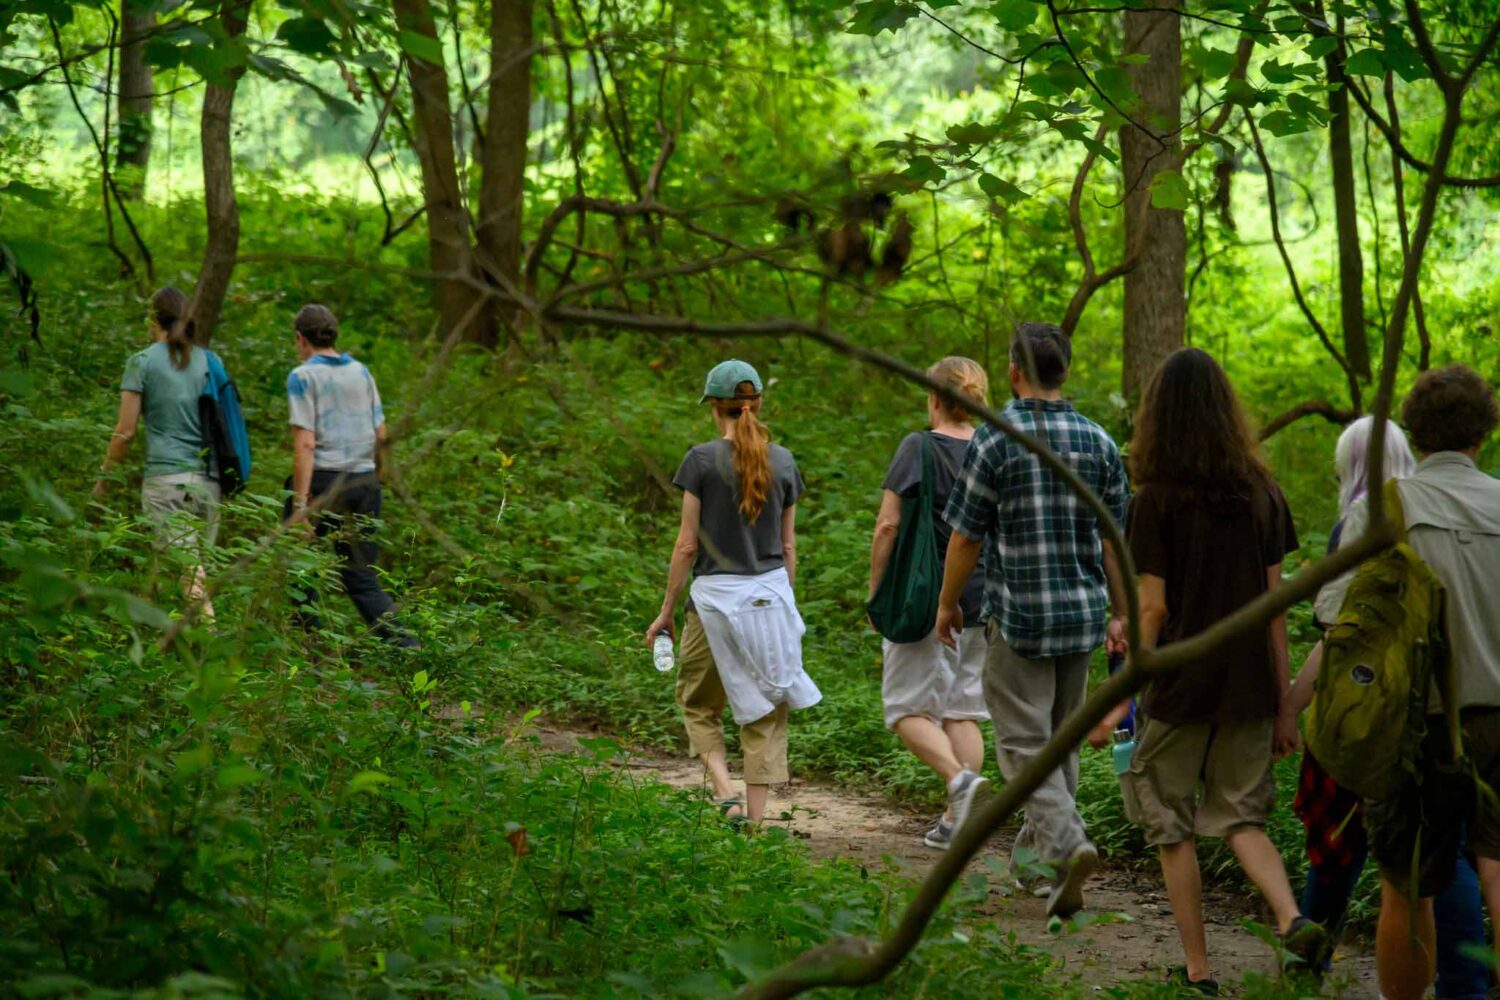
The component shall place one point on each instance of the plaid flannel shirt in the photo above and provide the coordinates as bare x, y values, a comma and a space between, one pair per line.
1045, 585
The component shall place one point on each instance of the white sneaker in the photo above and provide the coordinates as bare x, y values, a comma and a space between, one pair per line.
940, 836
961, 796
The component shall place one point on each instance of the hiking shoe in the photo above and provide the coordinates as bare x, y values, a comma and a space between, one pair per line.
940, 836
1306, 940
1066, 897
1179, 977
961, 796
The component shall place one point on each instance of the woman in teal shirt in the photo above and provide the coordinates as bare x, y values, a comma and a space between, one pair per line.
162, 384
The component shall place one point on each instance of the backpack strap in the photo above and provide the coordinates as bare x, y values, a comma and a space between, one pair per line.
1395, 510
1442, 667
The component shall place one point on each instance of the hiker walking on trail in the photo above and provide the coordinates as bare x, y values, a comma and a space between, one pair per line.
1337, 841
1046, 594
161, 386
741, 642
338, 439
1450, 511
933, 695
1209, 529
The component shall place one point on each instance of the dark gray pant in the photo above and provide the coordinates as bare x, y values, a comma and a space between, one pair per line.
349, 515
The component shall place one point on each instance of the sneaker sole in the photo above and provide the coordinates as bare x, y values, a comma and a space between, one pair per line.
1067, 898
935, 844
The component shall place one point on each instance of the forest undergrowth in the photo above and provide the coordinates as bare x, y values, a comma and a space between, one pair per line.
265, 812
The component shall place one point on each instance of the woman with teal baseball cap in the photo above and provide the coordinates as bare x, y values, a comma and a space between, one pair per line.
741, 641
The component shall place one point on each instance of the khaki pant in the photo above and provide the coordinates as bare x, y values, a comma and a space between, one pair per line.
1028, 700
700, 694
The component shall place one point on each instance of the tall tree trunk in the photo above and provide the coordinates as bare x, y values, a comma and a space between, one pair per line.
133, 151
1155, 289
508, 122
1346, 218
220, 206
448, 247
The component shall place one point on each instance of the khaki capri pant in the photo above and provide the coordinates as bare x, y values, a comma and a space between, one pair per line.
700, 694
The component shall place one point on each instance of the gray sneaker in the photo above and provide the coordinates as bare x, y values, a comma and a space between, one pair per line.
1066, 898
961, 799
940, 836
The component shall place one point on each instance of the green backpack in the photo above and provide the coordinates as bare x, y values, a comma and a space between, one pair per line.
1369, 711
905, 604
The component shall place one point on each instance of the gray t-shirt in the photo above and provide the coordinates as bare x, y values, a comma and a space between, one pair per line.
904, 478
169, 408
726, 544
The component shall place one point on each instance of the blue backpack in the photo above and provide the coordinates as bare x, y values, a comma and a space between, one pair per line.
225, 439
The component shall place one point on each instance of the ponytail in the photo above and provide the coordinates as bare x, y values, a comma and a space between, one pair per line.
962, 375
169, 311
751, 441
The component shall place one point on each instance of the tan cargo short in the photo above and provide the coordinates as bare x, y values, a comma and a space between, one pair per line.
1200, 779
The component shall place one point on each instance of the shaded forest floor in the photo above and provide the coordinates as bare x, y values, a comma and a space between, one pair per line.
1130, 934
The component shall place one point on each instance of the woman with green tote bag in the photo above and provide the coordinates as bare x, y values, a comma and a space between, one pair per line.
932, 695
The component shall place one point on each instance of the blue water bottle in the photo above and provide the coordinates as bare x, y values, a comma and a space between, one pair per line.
1122, 748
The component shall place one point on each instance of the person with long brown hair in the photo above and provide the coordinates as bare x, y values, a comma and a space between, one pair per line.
161, 386
934, 696
741, 642
1209, 529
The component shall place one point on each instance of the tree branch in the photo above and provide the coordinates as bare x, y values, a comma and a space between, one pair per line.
1312, 408
1291, 271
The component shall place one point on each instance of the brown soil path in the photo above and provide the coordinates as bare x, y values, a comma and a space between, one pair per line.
835, 822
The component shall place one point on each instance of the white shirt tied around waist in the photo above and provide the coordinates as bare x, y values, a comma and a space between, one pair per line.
755, 633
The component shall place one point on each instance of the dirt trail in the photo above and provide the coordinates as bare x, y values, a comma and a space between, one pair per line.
837, 823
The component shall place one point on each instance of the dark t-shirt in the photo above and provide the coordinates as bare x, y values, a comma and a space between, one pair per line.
1213, 553
904, 478
726, 544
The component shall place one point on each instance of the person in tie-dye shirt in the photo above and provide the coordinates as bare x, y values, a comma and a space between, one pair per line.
338, 432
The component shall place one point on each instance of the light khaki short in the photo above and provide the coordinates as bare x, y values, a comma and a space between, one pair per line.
183, 509
1200, 779
927, 679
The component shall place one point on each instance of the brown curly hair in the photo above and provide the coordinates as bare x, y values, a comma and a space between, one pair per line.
1191, 431
1449, 409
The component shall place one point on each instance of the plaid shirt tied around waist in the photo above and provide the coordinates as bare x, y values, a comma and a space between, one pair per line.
1045, 586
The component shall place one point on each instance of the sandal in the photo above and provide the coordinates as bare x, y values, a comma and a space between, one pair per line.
737, 820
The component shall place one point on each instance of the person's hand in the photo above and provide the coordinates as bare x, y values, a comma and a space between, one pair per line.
950, 622
300, 524
1115, 642
663, 623
1287, 738
1101, 735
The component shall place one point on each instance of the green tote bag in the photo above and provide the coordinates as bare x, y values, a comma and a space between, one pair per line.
905, 604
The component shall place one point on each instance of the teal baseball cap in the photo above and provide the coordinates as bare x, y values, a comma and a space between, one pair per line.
726, 377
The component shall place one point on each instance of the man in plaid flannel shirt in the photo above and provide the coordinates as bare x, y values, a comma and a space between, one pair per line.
1047, 590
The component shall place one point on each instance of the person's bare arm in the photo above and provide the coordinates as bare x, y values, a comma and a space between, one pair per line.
887, 527
1287, 736
789, 543
126, 424
1300, 694
1153, 598
958, 566
1114, 639
304, 442
684, 551
382, 451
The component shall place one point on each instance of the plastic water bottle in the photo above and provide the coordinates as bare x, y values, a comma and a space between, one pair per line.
661, 653
1123, 750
